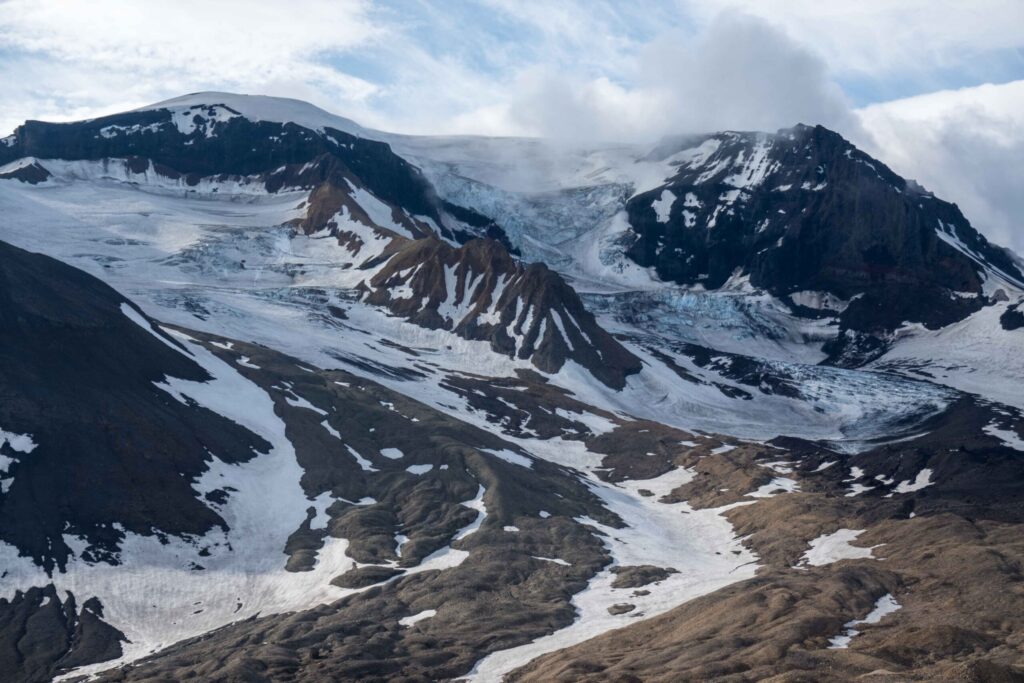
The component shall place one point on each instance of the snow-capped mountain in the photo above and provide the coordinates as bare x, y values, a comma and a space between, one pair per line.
287, 398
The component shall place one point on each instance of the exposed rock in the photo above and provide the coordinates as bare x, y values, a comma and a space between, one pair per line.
621, 608
479, 292
42, 635
364, 576
640, 575
1012, 318
32, 173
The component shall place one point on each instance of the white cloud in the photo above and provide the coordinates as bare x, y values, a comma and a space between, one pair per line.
965, 145
741, 73
878, 37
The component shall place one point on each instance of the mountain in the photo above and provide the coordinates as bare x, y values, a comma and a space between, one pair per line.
75, 348
806, 216
287, 398
184, 142
358, 189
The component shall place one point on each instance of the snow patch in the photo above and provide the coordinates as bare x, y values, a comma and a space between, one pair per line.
829, 548
1009, 437
775, 487
416, 618
885, 605
923, 479
510, 456
22, 443
663, 205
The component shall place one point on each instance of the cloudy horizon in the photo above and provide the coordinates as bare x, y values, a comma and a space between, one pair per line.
935, 90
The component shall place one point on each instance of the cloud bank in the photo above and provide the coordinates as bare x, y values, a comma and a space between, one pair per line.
741, 73
965, 145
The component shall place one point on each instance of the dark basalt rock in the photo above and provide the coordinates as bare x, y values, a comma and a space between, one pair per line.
236, 146
816, 214
521, 310
32, 173
1012, 318
42, 635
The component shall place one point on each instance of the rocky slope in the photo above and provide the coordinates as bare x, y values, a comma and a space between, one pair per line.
79, 370
479, 292
266, 470
896, 564
805, 215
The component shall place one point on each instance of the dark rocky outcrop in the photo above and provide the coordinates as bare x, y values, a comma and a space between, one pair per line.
42, 635
804, 210
31, 172
1012, 318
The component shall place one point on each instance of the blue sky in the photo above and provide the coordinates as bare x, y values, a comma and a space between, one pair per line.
935, 88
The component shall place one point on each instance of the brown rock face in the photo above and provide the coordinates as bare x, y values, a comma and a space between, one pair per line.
480, 292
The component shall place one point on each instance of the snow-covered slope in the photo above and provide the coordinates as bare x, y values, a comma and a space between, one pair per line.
223, 105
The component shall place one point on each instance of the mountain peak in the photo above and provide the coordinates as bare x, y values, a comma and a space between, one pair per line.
264, 108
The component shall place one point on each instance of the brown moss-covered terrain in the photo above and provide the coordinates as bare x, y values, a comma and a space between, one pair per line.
951, 554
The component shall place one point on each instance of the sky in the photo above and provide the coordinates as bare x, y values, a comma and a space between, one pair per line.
933, 88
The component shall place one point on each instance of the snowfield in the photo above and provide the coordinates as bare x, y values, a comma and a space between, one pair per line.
224, 262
